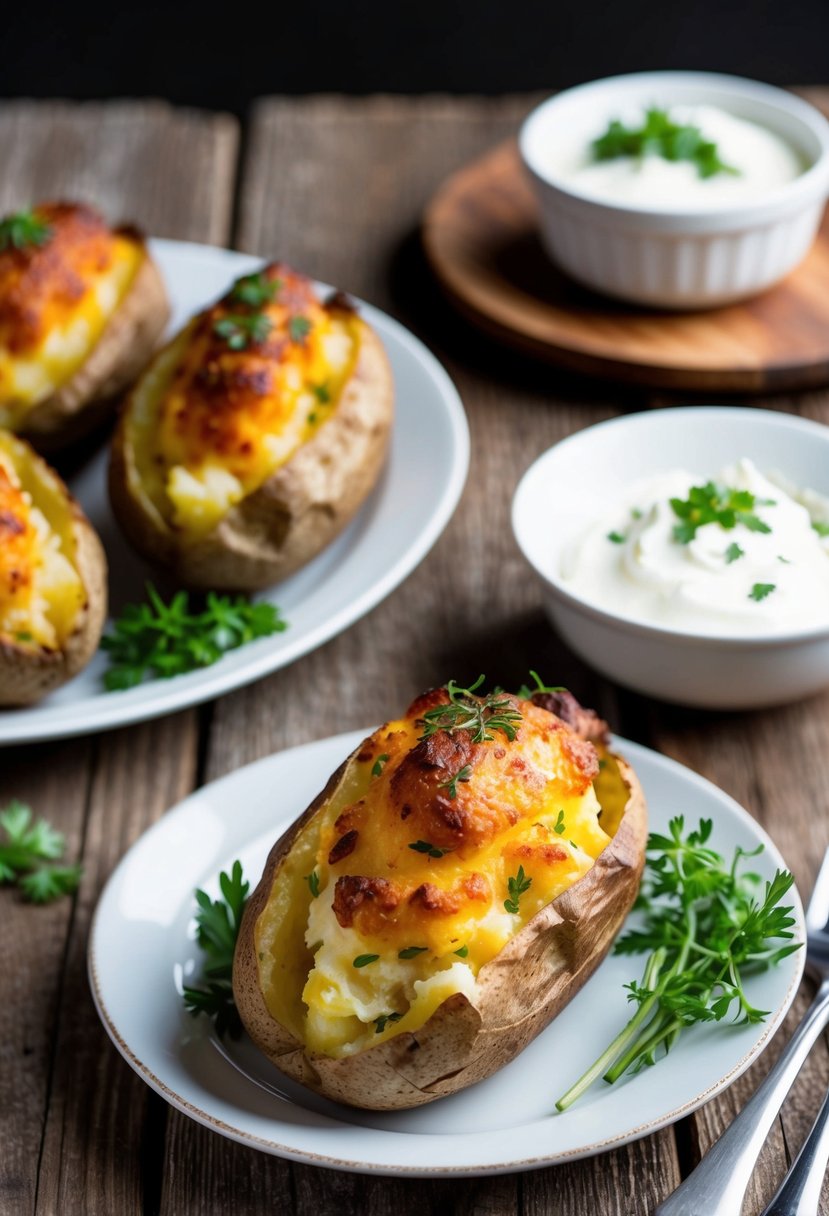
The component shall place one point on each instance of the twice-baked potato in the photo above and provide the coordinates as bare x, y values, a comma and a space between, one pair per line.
82, 307
53, 578
449, 891
254, 436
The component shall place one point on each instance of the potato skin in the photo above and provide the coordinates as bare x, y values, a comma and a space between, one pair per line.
120, 354
521, 990
299, 510
27, 673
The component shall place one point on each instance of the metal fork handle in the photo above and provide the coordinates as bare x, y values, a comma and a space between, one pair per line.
799, 1194
718, 1184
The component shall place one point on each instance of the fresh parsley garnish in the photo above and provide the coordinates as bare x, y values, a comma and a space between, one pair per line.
240, 331
462, 951
559, 827
820, 527
299, 328
760, 590
431, 850
463, 774
380, 1023
733, 552
616, 537
713, 504
322, 394
23, 229
525, 692
706, 925
164, 640
313, 880
363, 960
412, 951
659, 135
479, 715
517, 886
255, 290
217, 928
29, 852
377, 766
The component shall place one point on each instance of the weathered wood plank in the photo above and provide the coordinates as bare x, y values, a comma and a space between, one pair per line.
70, 1110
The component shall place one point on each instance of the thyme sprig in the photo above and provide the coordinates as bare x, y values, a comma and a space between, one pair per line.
479, 715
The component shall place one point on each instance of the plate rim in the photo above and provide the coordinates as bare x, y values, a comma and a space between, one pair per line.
33, 724
349, 740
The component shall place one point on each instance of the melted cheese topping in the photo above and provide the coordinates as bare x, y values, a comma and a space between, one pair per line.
41, 592
528, 804
236, 395
55, 301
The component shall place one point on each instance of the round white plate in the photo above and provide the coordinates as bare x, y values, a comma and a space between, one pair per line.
393, 532
142, 949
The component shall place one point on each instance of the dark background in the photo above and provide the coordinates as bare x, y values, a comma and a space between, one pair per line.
223, 55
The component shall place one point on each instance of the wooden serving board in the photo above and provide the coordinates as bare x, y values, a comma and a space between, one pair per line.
481, 238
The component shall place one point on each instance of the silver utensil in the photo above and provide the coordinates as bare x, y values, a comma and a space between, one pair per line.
718, 1185
799, 1193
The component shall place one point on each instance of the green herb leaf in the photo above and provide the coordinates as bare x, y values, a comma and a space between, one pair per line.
384, 1018
659, 135
479, 715
616, 537
412, 951
377, 767
322, 393
559, 825
525, 692
713, 504
158, 640
23, 230
431, 850
733, 552
299, 328
517, 886
241, 331
255, 290
463, 774
462, 951
217, 928
820, 527
313, 880
29, 852
760, 590
363, 960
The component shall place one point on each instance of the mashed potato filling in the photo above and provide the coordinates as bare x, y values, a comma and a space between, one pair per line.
237, 394
409, 888
41, 591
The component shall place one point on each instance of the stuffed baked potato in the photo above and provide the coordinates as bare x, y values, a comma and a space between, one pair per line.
449, 891
254, 436
53, 588
81, 309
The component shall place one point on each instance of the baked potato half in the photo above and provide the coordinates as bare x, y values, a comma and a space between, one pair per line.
53, 578
82, 307
449, 891
254, 436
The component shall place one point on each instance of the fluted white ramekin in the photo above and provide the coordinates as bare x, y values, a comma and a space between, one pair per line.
668, 257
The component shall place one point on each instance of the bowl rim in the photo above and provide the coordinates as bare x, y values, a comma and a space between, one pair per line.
803, 189
636, 625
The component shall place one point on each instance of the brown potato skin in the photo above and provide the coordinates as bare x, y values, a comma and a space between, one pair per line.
27, 673
120, 354
521, 990
295, 514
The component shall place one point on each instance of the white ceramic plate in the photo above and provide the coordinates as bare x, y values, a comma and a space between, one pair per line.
142, 949
395, 529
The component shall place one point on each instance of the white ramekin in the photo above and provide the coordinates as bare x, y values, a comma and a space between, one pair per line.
575, 481
672, 258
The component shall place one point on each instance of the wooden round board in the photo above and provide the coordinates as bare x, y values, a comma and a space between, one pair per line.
481, 239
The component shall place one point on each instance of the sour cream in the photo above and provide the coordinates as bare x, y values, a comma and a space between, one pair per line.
733, 581
763, 159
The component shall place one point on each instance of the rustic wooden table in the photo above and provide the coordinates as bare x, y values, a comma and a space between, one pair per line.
336, 186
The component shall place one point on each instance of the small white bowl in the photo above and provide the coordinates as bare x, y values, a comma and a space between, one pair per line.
575, 481
669, 257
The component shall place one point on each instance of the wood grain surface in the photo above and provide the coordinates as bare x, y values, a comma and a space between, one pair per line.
480, 235
338, 186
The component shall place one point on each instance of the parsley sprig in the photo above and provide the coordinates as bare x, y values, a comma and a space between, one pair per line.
241, 330
713, 504
706, 926
659, 135
479, 715
23, 229
255, 290
164, 640
217, 927
29, 853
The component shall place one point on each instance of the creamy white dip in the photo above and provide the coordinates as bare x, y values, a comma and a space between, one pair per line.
764, 162
631, 563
